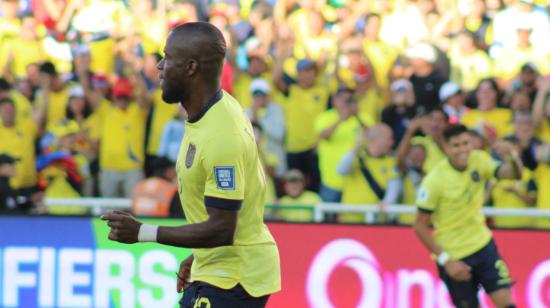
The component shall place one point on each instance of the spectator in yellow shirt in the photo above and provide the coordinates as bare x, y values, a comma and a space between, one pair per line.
23, 108
53, 95
488, 117
121, 154
469, 64
305, 99
371, 175
296, 195
338, 129
510, 59
17, 139
541, 111
542, 178
381, 54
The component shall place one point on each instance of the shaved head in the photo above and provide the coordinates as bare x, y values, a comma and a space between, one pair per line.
199, 40
380, 139
194, 57
379, 131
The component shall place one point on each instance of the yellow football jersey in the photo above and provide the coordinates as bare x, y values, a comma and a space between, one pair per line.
219, 158
357, 191
162, 114
307, 198
543, 131
434, 154
301, 107
18, 142
56, 105
455, 199
542, 179
499, 118
341, 141
122, 135
502, 198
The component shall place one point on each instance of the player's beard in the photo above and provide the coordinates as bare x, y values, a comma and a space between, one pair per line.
171, 95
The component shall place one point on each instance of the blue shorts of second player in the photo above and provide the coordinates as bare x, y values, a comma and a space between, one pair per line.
488, 271
203, 295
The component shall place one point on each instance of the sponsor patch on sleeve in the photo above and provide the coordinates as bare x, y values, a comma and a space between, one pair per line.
225, 177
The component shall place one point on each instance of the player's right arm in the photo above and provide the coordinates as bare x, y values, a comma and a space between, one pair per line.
427, 200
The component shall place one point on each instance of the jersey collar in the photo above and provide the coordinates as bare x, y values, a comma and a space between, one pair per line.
217, 97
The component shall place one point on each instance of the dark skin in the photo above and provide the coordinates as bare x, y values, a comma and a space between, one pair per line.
191, 77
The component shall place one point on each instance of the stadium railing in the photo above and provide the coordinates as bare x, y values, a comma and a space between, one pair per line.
100, 205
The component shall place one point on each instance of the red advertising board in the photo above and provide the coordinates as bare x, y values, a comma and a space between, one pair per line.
375, 266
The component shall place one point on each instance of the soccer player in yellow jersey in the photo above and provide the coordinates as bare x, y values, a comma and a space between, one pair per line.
450, 197
235, 261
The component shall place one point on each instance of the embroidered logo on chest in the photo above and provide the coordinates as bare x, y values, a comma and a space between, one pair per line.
190, 155
475, 176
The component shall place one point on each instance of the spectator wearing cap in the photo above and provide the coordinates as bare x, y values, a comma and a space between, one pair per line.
506, 21
453, 99
401, 109
122, 134
425, 79
53, 95
78, 108
469, 64
338, 129
18, 141
255, 65
296, 195
157, 195
488, 118
510, 59
305, 99
270, 117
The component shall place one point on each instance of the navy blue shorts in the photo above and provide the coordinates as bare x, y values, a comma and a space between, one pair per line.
203, 295
488, 270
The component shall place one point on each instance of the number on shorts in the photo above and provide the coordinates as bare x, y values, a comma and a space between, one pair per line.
502, 269
202, 302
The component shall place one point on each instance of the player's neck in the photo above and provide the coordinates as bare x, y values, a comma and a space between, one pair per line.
457, 167
200, 99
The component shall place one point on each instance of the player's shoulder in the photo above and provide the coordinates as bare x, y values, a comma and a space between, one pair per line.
438, 173
480, 157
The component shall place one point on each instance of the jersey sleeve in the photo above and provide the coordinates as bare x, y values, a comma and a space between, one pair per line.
223, 163
427, 197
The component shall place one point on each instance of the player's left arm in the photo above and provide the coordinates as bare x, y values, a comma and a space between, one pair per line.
217, 230
223, 197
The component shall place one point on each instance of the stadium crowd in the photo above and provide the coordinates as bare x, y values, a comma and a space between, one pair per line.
348, 98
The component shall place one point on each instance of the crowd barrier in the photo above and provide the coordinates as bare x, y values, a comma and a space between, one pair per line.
48, 261
99, 205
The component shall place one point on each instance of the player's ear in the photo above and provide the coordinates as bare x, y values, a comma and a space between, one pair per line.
191, 67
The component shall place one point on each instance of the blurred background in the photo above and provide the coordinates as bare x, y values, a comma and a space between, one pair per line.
323, 82
348, 100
